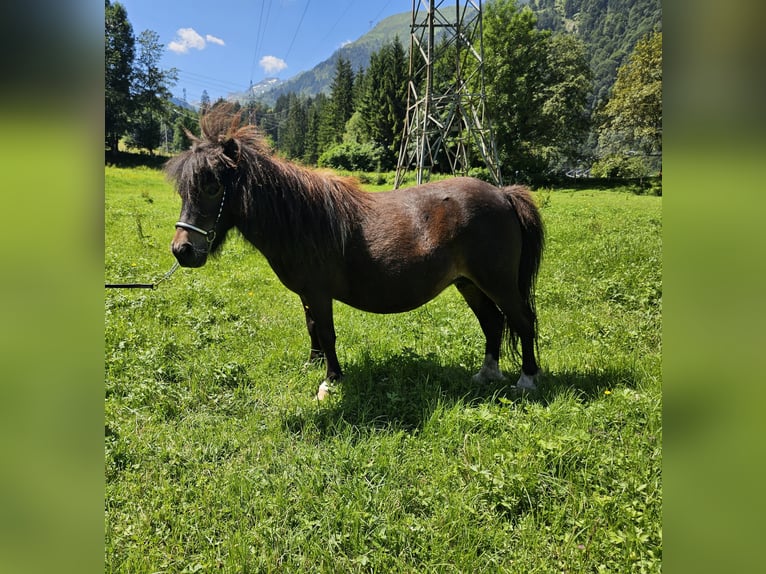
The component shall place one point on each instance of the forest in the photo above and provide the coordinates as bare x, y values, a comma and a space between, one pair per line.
572, 87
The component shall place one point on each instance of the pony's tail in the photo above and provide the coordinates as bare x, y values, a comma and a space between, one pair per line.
532, 244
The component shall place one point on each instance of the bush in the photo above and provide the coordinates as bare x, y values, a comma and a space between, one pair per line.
481, 173
352, 157
619, 166
371, 178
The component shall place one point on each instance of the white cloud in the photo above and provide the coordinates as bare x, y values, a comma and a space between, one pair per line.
187, 38
272, 64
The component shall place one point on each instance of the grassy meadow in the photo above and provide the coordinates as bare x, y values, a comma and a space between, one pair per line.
218, 460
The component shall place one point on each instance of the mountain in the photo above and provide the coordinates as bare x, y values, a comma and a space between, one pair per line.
358, 52
256, 91
609, 29
264, 86
182, 104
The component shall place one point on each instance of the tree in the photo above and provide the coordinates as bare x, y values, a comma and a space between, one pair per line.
185, 121
151, 90
342, 94
537, 87
136, 88
204, 103
632, 118
314, 114
382, 100
565, 107
341, 105
292, 141
514, 65
119, 46
609, 29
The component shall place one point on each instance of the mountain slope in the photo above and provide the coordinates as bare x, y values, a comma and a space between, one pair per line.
609, 28
358, 52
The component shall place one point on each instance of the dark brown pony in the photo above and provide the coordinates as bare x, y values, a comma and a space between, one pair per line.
384, 252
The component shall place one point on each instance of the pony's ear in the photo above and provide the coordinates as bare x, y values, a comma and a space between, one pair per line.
231, 151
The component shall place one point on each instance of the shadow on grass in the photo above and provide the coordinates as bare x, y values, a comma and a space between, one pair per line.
127, 159
402, 392
586, 385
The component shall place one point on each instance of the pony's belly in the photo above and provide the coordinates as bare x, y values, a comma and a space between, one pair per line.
385, 307
394, 296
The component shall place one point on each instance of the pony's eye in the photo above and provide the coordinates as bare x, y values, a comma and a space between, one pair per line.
214, 190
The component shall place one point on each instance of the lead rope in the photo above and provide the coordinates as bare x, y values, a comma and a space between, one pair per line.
209, 237
143, 285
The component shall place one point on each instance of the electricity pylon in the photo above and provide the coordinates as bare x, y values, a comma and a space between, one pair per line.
444, 118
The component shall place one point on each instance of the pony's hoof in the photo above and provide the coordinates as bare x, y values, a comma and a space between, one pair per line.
483, 377
323, 392
489, 373
526, 383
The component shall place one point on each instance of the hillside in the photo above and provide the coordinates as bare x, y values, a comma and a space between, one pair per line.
358, 52
609, 28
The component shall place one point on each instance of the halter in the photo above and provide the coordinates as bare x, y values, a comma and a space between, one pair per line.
209, 235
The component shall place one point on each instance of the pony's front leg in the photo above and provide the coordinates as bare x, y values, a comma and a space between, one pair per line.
323, 328
316, 354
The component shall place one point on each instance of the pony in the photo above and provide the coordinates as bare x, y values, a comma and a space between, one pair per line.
327, 239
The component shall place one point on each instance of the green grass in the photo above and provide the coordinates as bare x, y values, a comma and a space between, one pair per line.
218, 459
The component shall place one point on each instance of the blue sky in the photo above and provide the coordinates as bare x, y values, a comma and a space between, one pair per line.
222, 45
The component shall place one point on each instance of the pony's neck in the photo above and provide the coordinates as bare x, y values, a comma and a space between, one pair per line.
294, 214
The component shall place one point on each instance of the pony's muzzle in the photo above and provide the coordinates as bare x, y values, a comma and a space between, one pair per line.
186, 252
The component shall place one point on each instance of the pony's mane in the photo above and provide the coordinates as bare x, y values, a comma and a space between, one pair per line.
279, 200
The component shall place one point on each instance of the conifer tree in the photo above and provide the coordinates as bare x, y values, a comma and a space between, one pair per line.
119, 43
151, 92
382, 103
341, 105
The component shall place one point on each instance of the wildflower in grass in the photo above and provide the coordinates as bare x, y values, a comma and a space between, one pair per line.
607, 392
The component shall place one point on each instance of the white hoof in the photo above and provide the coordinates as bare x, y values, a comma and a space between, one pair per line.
526, 383
490, 372
323, 392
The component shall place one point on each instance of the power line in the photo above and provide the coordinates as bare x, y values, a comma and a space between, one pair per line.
305, 9
382, 10
207, 82
257, 41
345, 10
262, 23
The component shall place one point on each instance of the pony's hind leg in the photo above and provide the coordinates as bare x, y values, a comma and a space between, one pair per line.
529, 368
491, 321
520, 321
